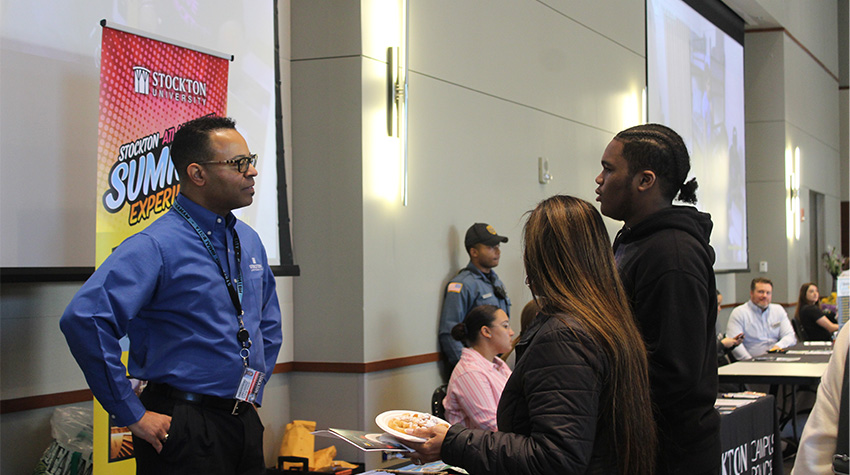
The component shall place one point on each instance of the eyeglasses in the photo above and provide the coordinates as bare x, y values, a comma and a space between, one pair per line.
241, 162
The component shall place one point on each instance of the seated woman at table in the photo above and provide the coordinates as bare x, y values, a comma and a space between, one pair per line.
818, 324
578, 399
480, 376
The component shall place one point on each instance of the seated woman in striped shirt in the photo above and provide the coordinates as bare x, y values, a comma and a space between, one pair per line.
480, 376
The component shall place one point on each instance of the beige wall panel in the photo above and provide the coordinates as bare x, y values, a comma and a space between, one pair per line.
287, 305
527, 53
813, 23
832, 227
619, 20
36, 300
36, 359
329, 399
766, 225
799, 264
811, 96
326, 104
325, 29
764, 84
765, 153
819, 167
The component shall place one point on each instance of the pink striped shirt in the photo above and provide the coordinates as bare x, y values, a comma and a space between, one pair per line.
474, 390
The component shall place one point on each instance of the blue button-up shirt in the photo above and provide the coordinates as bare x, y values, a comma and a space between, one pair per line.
162, 288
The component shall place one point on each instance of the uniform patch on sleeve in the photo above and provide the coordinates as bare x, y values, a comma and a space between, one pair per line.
454, 287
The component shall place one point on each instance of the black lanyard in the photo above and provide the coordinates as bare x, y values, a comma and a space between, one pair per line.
235, 291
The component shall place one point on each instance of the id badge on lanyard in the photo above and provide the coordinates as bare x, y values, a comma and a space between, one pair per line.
250, 385
252, 380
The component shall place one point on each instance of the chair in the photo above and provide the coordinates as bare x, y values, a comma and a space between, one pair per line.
437, 408
798, 330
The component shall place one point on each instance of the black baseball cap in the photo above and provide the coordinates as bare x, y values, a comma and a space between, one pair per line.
482, 233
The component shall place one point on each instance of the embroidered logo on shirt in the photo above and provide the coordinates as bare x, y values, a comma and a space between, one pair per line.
254, 266
455, 287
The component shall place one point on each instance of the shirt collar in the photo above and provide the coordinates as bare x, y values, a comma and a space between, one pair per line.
757, 309
205, 218
481, 361
476, 270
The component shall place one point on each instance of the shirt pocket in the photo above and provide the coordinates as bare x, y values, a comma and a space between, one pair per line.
252, 296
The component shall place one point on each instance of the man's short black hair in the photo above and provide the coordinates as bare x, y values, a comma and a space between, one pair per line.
659, 148
192, 141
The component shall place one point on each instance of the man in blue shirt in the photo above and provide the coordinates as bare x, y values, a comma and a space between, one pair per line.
196, 297
476, 284
765, 325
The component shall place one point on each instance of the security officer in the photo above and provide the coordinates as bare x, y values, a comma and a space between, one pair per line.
476, 284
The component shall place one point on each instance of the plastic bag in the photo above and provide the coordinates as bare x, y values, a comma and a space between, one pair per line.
71, 450
72, 428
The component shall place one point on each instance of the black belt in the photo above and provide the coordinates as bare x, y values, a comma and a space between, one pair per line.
234, 406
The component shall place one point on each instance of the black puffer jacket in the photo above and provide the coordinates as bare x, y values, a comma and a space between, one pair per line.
549, 413
665, 263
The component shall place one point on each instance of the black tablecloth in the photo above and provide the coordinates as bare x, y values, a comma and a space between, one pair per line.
749, 437
801, 352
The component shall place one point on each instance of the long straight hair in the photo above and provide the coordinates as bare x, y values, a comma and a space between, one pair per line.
801, 300
571, 271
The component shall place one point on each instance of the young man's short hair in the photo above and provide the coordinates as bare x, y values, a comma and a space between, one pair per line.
659, 148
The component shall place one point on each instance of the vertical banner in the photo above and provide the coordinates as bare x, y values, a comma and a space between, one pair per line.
148, 88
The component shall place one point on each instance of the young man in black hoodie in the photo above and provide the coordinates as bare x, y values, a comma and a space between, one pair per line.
665, 263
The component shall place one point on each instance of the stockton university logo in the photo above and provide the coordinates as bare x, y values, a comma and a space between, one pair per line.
141, 79
169, 86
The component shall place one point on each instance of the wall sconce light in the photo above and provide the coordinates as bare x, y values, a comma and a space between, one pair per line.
397, 93
792, 187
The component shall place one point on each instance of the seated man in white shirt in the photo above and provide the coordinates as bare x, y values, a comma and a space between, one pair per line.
765, 325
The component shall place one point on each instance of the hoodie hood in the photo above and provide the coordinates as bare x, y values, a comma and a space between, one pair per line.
684, 218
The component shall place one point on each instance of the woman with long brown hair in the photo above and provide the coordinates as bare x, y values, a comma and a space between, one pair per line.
578, 399
817, 323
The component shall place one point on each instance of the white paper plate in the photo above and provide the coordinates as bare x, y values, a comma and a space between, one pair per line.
384, 418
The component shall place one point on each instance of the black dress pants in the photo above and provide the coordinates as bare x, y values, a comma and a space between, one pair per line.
202, 440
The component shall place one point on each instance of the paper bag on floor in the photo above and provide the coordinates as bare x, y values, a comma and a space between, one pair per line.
298, 441
323, 458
